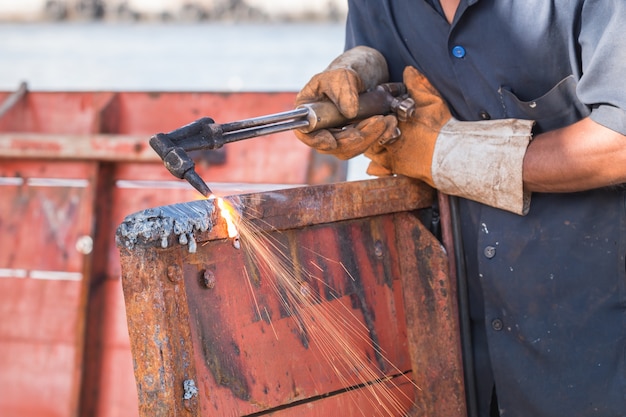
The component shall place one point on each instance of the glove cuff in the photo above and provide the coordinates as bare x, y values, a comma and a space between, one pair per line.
368, 63
482, 161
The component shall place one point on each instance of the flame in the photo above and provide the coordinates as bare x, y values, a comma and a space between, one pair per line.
226, 211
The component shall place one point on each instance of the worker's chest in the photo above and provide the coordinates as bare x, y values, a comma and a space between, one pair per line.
512, 59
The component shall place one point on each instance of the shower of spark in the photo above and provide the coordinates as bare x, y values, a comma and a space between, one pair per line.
330, 326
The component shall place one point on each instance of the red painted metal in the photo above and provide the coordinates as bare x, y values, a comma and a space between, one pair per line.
43, 214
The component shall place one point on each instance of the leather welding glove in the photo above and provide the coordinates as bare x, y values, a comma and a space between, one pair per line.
355, 71
480, 161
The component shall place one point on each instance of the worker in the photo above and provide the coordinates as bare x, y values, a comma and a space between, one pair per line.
521, 113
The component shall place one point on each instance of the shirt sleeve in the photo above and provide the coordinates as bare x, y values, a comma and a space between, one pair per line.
603, 53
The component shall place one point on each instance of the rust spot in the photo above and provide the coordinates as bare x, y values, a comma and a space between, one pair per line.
224, 368
174, 273
208, 279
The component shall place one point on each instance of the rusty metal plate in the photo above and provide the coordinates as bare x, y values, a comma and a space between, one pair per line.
212, 334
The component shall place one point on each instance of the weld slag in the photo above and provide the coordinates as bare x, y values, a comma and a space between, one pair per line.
158, 224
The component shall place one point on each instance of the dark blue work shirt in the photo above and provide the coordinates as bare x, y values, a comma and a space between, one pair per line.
547, 290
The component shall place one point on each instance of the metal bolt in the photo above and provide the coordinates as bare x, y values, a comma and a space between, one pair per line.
84, 244
490, 252
497, 325
406, 109
174, 273
208, 279
378, 249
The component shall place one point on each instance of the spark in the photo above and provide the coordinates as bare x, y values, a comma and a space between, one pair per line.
256, 303
228, 213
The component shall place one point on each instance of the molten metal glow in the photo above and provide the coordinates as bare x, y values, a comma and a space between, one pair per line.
226, 211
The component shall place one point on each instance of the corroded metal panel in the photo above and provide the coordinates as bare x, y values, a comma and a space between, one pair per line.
211, 334
432, 319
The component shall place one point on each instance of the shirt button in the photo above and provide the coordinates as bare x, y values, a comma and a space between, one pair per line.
497, 325
458, 51
484, 115
490, 252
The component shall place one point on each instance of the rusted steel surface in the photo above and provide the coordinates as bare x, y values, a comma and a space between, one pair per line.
328, 203
213, 316
430, 302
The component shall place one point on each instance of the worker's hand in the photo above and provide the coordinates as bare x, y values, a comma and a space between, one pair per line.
412, 154
353, 72
481, 161
354, 139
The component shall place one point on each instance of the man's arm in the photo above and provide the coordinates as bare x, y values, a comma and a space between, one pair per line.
578, 157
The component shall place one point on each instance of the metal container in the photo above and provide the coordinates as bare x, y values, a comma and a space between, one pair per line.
218, 327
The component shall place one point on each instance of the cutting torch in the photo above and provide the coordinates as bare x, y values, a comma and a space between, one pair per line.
204, 133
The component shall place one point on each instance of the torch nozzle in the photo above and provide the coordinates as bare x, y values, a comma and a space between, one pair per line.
197, 182
204, 133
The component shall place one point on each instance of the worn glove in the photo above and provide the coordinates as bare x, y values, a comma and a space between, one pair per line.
355, 71
481, 161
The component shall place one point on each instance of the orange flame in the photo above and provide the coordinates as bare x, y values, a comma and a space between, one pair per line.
226, 211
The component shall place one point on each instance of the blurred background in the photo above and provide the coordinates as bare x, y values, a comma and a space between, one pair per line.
190, 45
83, 85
